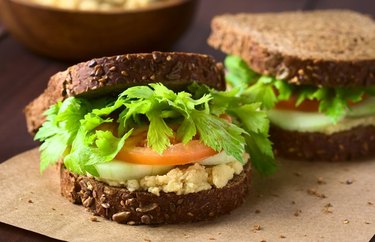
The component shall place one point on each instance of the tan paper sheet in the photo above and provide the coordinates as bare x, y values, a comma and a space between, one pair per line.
301, 202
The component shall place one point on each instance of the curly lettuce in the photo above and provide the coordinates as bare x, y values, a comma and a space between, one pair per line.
73, 133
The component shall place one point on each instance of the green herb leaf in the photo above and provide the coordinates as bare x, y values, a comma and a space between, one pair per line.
187, 130
158, 132
76, 127
262, 92
216, 133
256, 124
60, 129
252, 119
239, 74
260, 150
284, 89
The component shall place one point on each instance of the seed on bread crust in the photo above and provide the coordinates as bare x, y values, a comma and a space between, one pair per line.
142, 207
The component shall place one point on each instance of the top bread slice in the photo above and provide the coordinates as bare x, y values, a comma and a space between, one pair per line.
331, 48
111, 75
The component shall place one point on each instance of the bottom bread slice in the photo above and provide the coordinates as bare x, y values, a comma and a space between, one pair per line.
142, 207
356, 143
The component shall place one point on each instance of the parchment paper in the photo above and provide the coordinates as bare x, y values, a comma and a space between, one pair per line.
301, 202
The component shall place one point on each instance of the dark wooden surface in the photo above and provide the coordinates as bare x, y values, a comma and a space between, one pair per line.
24, 75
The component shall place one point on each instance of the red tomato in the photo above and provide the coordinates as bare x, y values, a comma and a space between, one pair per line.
305, 106
176, 154
135, 149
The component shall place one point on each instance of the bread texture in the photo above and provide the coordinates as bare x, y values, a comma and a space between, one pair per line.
111, 75
142, 207
353, 144
330, 48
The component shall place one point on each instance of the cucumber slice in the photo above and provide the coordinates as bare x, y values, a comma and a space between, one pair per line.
220, 158
365, 108
122, 171
299, 121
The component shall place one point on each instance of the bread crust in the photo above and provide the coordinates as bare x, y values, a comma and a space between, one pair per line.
356, 143
111, 75
142, 207
332, 71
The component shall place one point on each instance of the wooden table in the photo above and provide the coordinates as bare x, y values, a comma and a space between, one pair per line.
24, 75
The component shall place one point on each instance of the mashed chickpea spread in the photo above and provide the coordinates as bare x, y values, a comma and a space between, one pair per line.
96, 4
184, 180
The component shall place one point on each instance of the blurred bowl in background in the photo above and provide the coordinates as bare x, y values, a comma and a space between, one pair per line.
78, 35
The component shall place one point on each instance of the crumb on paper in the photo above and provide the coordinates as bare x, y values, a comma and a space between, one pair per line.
347, 182
314, 192
297, 212
53, 209
370, 203
146, 240
298, 174
328, 208
366, 222
30, 201
345, 221
257, 227
293, 202
94, 219
257, 211
282, 236
263, 240
211, 238
321, 181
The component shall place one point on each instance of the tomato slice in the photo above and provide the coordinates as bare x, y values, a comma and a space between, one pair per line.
135, 149
306, 105
176, 154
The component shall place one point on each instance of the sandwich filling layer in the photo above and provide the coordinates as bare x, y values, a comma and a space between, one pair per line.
304, 108
152, 138
318, 122
180, 179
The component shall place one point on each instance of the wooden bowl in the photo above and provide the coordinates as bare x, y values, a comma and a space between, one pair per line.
77, 35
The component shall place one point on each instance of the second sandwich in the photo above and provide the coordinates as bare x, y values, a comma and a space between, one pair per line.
314, 72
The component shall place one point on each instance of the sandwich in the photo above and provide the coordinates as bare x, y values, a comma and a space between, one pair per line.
150, 138
314, 73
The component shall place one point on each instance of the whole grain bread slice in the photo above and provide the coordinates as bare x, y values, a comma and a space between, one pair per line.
353, 144
142, 207
111, 75
332, 48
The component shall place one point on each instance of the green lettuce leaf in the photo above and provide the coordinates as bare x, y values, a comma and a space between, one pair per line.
215, 133
159, 133
254, 121
60, 129
239, 74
